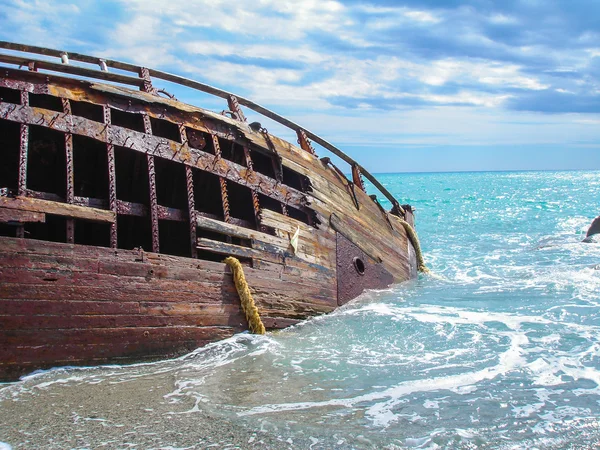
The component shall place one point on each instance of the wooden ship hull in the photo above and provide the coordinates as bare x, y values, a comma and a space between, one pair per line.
118, 205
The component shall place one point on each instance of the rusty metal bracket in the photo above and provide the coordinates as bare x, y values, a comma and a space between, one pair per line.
235, 108
162, 91
304, 142
147, 81
357, 177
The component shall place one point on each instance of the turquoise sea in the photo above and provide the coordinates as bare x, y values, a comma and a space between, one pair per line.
498, 348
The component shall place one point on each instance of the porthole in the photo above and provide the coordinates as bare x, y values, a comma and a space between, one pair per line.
359, 265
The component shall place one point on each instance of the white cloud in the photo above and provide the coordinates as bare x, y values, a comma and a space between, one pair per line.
422, 16
379, 19
283, 19
503, 19
40, 22
276, 52
483, 72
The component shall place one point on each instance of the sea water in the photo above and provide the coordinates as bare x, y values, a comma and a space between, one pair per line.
499, 347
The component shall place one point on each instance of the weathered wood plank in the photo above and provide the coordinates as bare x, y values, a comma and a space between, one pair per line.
59, 256
45, 356
8, 215
60, 307
284, 258
224, 248
207, 293
93, 336
206, 223
312, 243
60, 209
69, 321
32, 308
286, 224
265, 242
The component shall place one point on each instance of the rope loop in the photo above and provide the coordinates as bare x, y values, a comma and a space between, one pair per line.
241, 285
414, 240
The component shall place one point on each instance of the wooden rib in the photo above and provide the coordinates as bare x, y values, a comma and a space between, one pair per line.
60, 209
15, 216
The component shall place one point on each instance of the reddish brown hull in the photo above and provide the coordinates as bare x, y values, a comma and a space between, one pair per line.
65, 304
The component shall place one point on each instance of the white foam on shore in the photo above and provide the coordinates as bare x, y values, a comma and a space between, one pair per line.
548, 371
381, 413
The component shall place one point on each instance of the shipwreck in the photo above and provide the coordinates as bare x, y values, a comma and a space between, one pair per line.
119, 203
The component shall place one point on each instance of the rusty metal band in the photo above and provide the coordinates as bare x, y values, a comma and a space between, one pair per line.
112, 191
70, 193
225, 200
23, 154
257, 211
222, 181
158, 146
152, 188
189, 178
235, 108
255, 199
147, 124
304, 142
153, 203
248, 158
112, 180
216, 146
183, 135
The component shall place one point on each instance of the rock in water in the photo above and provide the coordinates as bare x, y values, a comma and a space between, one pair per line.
593, 230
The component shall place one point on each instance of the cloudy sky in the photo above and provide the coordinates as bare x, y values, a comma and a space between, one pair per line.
401, 85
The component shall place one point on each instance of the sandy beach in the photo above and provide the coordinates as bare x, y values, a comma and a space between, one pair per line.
118, 416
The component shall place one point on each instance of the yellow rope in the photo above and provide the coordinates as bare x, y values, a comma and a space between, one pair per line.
241, 285
414, 239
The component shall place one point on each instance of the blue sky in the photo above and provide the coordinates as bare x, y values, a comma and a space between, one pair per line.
399, 85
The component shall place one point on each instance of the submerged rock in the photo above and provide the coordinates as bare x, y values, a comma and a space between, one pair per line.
593, 233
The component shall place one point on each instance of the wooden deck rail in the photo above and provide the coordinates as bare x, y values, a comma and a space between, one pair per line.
143, 79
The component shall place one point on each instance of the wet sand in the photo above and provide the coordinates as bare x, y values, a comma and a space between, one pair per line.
121, 415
